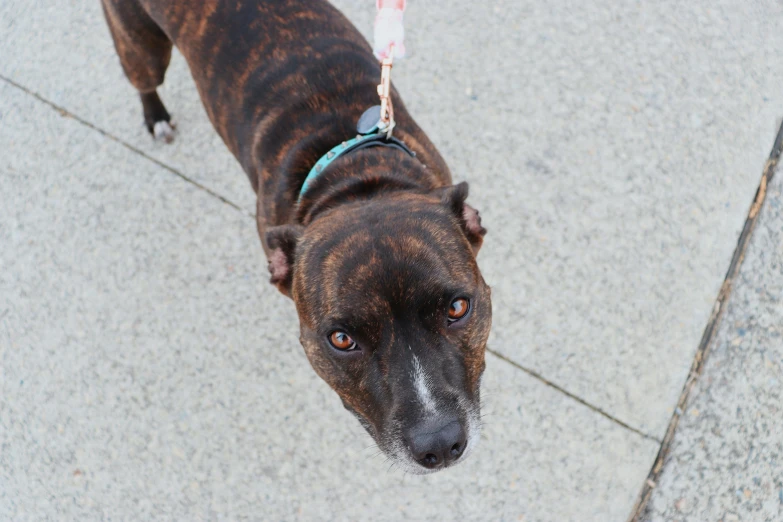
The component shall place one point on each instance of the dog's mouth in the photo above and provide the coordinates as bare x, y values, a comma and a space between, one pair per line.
437, 442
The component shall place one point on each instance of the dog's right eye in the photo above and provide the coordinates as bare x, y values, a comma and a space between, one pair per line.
342, 341
459, 308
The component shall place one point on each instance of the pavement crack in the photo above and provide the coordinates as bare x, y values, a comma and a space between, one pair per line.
700, 357
711, 329
578, 399
68, 114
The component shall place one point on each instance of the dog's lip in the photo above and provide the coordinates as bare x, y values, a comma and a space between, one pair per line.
419, 469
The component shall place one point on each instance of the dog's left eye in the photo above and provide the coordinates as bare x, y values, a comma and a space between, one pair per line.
342, 341
459, 308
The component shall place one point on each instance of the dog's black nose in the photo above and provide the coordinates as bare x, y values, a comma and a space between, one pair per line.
435, 448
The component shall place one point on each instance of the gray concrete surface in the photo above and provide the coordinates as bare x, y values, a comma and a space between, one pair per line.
612, 147
727, 456
148, 370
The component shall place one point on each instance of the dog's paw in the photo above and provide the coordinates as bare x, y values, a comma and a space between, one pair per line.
164, 131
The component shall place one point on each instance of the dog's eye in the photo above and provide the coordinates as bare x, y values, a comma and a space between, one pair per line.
458, 309
342, 341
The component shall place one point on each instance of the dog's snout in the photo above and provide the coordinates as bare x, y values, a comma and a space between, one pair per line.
438, 447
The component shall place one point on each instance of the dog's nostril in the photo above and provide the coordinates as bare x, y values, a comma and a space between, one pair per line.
456, 450
430, 460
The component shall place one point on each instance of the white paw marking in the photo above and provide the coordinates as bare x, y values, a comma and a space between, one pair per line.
164, 131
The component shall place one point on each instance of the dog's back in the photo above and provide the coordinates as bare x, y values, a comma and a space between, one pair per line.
274, 77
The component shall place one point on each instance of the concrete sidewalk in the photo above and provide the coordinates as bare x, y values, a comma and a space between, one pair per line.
149, 371
725, 460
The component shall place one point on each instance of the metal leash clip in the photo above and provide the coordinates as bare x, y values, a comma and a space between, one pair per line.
384, 92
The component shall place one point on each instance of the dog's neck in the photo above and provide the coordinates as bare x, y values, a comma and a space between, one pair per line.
288, 143
363, 175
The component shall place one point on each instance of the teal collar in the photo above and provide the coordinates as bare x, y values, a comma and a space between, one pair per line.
369, 136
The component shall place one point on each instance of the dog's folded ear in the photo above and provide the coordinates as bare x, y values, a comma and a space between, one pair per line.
454, 198
281, 241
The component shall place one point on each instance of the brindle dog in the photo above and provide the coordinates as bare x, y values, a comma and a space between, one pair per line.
379, 255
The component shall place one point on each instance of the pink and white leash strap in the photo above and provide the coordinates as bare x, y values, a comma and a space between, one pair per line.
389, 32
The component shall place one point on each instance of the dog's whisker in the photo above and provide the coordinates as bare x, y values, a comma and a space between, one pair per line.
368, 447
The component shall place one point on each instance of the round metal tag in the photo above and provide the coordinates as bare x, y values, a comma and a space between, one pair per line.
370, 120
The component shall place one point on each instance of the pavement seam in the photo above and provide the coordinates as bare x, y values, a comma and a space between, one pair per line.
68, 114
710, 330
570, 395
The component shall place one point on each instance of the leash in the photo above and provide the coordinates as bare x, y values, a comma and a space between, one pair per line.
376, 124
389, 34
386, 121
388, 29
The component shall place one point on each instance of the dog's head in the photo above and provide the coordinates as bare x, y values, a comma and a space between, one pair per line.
395, 316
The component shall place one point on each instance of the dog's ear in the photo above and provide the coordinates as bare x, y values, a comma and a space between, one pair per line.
281, 241
454, 198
